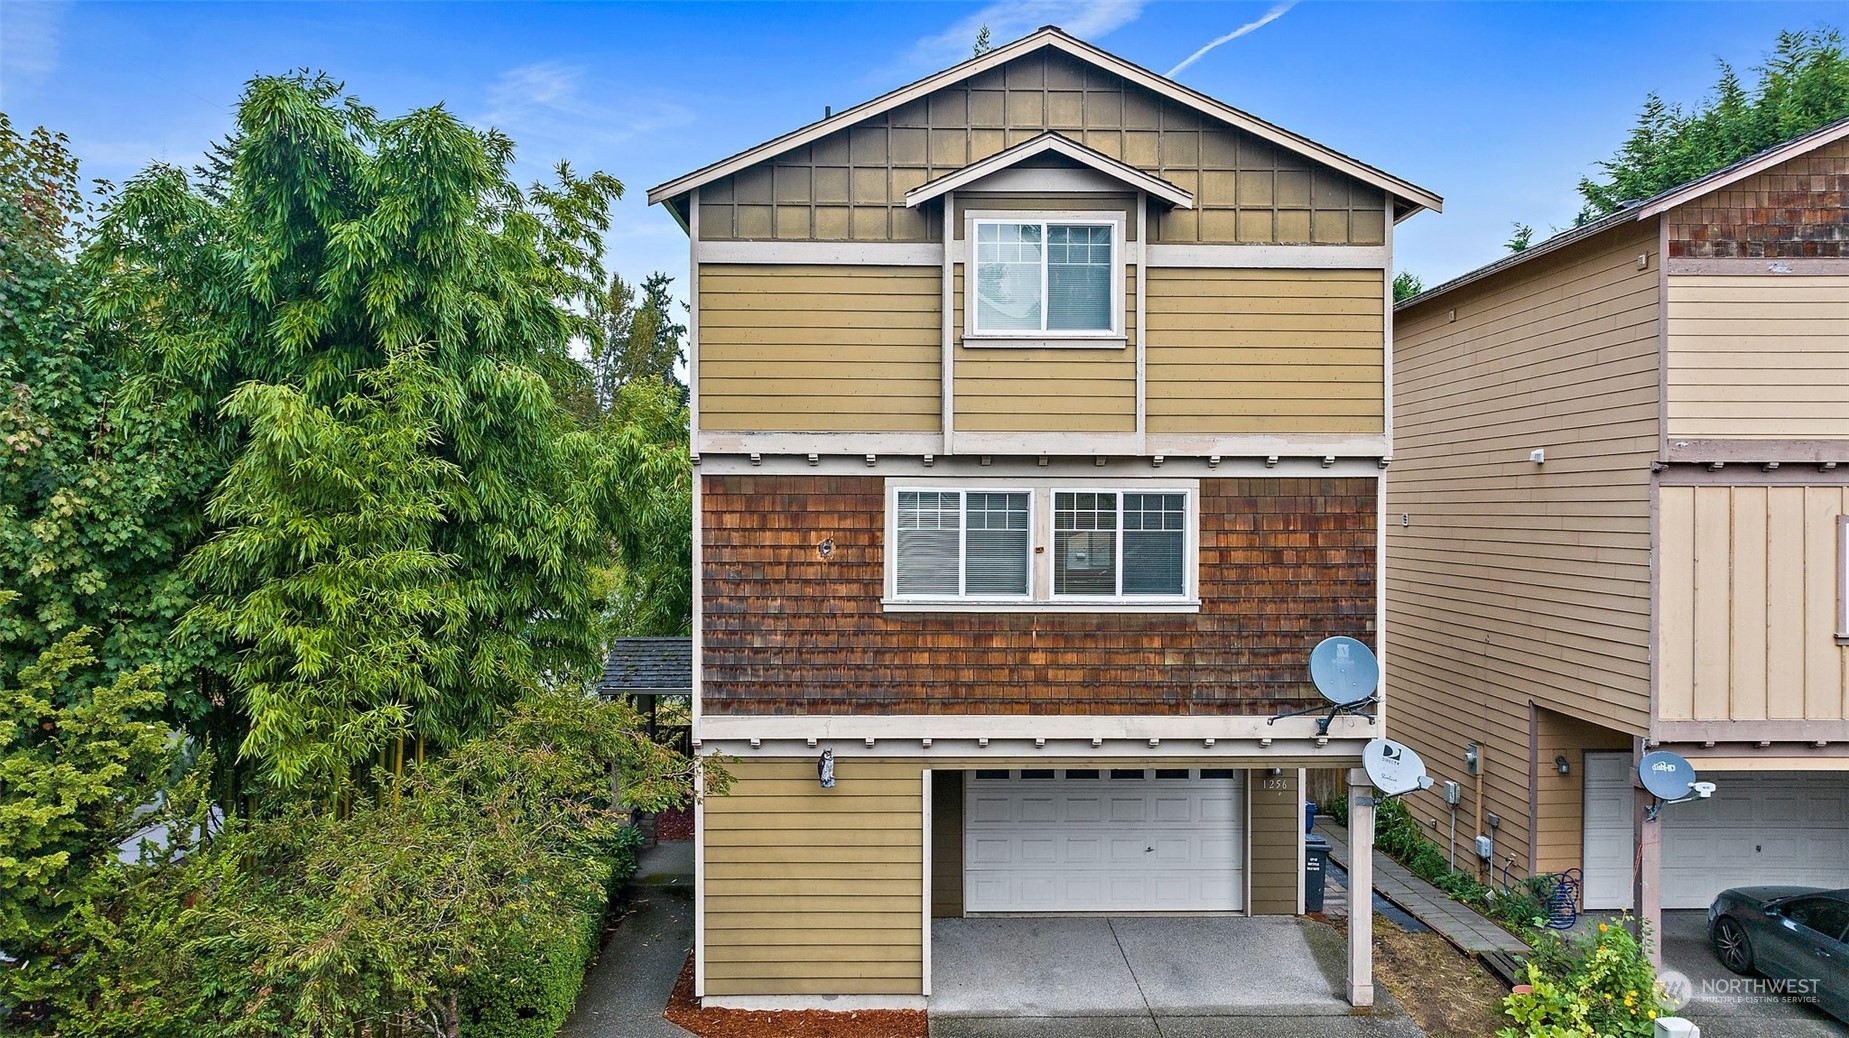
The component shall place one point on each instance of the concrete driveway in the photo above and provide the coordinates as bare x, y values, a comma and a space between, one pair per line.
1144, 976
1727, 1005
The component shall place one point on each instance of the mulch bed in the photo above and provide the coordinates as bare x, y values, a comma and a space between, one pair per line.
674, 824
1448, 994
684, 1010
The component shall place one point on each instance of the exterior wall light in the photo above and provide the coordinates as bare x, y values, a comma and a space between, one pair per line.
825, 769
1561, 765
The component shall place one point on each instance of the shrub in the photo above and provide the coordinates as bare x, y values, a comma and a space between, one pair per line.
1599, 984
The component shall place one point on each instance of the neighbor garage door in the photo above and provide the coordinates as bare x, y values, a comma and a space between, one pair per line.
1123, 840
1758, 828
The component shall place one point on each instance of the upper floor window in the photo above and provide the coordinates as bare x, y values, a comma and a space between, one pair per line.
1047, 545
1058, 277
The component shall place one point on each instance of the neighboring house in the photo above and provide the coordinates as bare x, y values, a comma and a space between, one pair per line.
1034, 553
1616, 523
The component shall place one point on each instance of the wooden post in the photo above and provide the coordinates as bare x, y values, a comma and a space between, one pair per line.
1360, 889
1647, 875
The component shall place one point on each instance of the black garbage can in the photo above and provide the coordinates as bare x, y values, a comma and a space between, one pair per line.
1315, 867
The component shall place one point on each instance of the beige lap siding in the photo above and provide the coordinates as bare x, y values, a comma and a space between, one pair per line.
1560, 800
1759, 357
1749, 586
1265, 351
813, 891
820, 348
1276, 829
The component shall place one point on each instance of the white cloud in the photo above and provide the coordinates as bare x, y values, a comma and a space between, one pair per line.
29, 34
1086, 19
546, 103
1269, 16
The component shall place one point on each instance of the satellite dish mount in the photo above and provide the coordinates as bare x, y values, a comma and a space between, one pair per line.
1671, 780
1348, 676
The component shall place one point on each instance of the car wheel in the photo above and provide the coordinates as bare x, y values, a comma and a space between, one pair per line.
1732, 947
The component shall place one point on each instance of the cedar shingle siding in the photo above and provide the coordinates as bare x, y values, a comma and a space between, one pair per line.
1798, 209
1284, 564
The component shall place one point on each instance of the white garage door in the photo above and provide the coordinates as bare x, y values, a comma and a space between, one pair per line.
1122, 840
1758, 828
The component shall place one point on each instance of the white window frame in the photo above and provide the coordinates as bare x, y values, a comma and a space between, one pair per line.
1190, 545
1112, 337
1040, 597
1842, 580
963, 491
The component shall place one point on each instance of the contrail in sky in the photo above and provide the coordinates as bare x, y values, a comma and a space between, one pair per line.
1270, 16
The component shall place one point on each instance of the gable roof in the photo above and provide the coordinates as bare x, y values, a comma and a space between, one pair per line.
1412, 197
1058, 144
1656, 205
663, 666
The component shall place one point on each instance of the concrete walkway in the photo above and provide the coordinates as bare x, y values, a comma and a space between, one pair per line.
629, 984
1455, 921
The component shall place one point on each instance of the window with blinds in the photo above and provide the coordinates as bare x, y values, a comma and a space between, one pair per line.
1041, 544
1037, 277
953, 543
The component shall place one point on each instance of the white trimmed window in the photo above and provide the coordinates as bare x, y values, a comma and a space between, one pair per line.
1046, 277
1065, 544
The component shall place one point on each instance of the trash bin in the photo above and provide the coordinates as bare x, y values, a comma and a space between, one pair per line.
1315, 867
1309, 816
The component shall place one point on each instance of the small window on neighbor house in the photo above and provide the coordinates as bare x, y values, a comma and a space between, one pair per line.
1044, 277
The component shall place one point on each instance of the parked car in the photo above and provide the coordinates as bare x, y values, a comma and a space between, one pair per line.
1800, 934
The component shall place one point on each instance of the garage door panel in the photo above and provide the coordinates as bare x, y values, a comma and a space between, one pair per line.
1757, 829
1046, 845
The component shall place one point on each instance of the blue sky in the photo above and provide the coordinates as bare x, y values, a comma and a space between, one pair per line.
1499, 107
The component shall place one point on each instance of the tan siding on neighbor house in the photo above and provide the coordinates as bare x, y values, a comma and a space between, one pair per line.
1749, 586
1012, 389
1560, 800
820, 349
1276, 835
1512, 582
1265, 351
1758, 357
811, 890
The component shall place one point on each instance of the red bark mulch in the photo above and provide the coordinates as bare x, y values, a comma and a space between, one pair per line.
685, 1011
674, 824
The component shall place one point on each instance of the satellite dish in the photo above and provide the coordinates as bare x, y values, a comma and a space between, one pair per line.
1666, 775
1393, 767
1344, 670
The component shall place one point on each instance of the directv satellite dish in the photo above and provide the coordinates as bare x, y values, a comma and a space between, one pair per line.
1393, 767
1344, 670
1666, 775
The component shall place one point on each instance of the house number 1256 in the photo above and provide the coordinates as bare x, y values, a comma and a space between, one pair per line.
1275, 783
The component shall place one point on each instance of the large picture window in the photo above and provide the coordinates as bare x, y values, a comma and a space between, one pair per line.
1048, 544
1052, 277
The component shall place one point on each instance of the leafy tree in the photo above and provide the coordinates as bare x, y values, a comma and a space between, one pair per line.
640, 339
653, 586
368, 326
1406, 284
99, 494
1520, 237
1802, 85
75, 765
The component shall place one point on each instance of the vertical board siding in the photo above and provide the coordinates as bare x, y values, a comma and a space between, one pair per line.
820, 349
811, 890
946, 844
851, 184
1749, 592
1512, 582
1755, 357
1007, 389
1560, 800
1276, 833
1284, 563
1265, 351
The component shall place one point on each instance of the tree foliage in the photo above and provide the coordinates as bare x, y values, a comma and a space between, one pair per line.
640, 339
99, 495
1802, 85
369, 327
1406, 284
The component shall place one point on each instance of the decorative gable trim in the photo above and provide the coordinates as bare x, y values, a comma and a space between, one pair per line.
1058, 144
1411, 197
